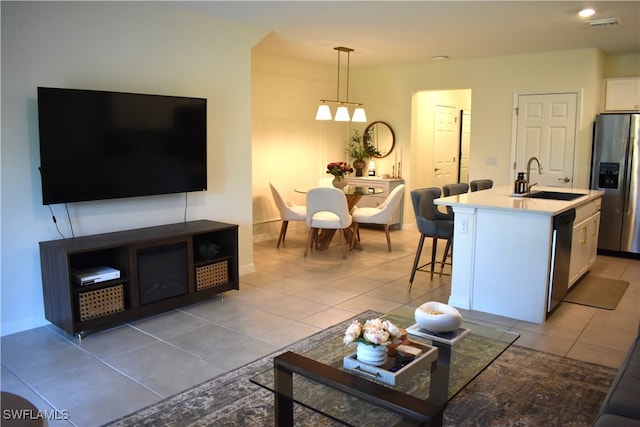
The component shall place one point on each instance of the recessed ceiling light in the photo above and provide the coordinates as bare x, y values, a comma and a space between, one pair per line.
585, 13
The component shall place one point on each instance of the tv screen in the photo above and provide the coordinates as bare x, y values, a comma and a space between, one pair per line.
98, 145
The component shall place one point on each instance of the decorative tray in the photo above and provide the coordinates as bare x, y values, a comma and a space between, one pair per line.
444, 337
396, 369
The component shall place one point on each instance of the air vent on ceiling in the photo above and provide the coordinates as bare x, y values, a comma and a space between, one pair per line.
603, 22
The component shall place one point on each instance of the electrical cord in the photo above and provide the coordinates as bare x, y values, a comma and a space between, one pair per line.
69, 219
66, 206
185, 207
55, 222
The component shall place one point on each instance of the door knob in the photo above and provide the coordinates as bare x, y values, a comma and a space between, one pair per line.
436, 169
565, 179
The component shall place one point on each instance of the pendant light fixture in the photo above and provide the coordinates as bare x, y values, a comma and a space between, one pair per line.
342, 113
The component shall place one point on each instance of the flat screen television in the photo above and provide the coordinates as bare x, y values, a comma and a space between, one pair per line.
97, 145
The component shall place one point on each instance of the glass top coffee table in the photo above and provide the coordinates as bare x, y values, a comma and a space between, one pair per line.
317, 380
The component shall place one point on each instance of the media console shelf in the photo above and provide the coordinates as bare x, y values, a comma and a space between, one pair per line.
161, 268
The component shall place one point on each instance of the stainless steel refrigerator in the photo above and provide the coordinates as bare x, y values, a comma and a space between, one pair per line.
615, 170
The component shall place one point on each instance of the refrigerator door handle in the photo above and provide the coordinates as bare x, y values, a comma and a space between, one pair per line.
628, 184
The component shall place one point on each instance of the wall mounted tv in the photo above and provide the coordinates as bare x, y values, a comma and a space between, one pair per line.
97, 145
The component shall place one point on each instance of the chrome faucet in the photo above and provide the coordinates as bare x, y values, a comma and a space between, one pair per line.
529, 173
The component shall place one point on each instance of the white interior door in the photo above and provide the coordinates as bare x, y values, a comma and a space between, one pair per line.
445, 145
546, 129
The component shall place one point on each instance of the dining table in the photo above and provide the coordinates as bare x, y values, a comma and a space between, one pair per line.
353, 194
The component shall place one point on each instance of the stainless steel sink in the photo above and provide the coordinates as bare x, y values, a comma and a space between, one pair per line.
554, 195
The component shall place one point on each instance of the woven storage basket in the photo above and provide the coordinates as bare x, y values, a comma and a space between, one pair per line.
212, 275
101, 302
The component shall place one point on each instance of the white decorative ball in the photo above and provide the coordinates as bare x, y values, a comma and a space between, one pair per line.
438, 317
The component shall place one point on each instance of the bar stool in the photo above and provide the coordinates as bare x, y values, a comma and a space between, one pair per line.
451, 190
431, 223
481, 184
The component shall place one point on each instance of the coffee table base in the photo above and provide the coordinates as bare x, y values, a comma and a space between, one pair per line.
414, 411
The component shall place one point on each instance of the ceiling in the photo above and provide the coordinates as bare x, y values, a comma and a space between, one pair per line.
405, 32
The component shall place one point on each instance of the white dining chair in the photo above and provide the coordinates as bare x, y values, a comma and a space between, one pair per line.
327, 209
377, 215
289, 211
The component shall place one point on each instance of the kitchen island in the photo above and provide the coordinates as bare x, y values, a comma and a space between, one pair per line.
504, 249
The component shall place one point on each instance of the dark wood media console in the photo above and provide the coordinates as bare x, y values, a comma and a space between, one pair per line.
161, 268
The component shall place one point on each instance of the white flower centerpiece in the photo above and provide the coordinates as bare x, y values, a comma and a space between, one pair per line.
372, 338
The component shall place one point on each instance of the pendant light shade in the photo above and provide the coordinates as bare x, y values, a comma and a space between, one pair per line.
323, 113
359, 115
342, 113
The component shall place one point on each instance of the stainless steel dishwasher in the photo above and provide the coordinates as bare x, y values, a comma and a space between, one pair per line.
560, 257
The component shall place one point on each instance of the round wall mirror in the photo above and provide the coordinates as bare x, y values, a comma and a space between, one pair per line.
380, 135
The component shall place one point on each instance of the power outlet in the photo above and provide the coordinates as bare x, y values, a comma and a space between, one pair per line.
464, 226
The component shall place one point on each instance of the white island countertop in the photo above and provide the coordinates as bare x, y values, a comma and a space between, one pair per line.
504, 255
502, 198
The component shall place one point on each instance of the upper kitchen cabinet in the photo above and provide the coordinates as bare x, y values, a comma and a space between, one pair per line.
622, 94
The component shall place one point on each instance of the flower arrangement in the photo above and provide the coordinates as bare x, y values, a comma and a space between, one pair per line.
372, 149
357, 151
373, 332
339, 169
360, 150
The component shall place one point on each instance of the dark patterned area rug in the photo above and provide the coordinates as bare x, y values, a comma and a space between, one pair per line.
521, 388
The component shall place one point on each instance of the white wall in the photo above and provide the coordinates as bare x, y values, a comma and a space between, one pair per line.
290, 147
493, 82
136, 47
284, 119
622, 65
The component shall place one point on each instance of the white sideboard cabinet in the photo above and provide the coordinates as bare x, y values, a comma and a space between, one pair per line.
386, 185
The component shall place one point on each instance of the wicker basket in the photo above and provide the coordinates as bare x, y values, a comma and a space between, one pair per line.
212, 275
101, 302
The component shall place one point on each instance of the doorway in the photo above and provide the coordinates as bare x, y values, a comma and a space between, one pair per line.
441, 137
545, 127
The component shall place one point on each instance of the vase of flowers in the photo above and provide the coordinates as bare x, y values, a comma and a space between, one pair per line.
372, 339
339, 170
339, 183
360, 150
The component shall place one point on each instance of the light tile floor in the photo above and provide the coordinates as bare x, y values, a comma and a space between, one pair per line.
112, 373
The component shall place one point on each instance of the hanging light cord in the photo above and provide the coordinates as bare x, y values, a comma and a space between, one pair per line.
338, 85
324, 113
348, 66
337, 100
